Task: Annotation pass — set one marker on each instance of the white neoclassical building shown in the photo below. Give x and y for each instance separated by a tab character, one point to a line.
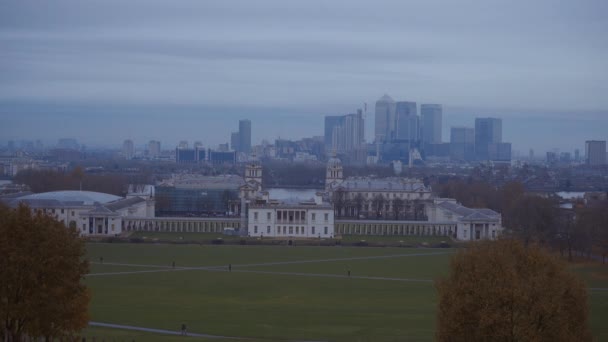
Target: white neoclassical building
291	219
92	213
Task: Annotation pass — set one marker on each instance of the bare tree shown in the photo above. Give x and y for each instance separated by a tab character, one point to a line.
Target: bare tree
378	204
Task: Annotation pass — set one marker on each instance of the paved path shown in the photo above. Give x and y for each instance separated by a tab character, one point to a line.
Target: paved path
330	275
173	332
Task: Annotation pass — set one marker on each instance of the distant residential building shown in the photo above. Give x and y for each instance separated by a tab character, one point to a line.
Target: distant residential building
462	143
487	131
384	118
595	152
153	149
407	122
128	149
245	136
431	117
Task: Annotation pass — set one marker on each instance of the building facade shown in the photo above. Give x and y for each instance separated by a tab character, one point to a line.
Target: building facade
431	128
291	220
245	136
487	131
384	118
407	122
462	143
595	152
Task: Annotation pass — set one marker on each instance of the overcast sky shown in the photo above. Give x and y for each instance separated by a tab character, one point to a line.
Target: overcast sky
173	70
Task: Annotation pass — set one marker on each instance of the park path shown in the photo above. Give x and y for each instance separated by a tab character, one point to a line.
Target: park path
173	332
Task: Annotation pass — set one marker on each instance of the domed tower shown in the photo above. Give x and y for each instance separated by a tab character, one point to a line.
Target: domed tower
253	172
334	174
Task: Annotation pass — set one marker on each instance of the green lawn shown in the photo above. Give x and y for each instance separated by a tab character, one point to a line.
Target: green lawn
277	306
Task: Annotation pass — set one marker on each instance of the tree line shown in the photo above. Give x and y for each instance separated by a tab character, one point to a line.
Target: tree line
535	218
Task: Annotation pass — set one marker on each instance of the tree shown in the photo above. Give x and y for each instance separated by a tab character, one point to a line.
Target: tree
378	204
397	206
503	291
42	265
359	201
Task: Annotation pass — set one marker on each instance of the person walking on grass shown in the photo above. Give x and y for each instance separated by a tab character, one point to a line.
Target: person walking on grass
184	332
229	267
173	264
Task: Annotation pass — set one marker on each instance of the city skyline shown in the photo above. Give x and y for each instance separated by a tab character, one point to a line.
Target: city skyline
144	70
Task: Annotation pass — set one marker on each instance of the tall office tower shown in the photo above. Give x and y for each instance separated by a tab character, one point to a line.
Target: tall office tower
128	149
245	135
595	152
487	131
385	118
462	143
407	123
347	132
577	155
431	117
235	142
153	149
330	123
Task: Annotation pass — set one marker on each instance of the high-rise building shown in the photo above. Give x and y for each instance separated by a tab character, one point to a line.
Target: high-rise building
431	117
407	122
577	155
487	131
500	151
128	149
331	122
245	135
385	118
235	143
153	149
462	143
347	132
595	152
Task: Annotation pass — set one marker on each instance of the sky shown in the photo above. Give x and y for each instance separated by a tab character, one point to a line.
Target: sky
105	71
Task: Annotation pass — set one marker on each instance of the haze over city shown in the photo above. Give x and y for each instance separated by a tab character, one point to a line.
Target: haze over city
105	71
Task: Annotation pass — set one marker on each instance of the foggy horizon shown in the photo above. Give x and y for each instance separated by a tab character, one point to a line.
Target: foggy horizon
190	71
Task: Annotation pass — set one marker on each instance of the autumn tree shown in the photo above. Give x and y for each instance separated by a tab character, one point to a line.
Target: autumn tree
504	291
41	270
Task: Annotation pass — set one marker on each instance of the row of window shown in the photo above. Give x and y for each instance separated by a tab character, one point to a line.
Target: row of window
289	215
285	230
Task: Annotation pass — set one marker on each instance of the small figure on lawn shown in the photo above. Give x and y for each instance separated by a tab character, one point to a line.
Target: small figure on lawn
229	267
184	332
173	264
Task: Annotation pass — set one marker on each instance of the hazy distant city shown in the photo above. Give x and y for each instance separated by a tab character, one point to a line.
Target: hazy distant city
277	170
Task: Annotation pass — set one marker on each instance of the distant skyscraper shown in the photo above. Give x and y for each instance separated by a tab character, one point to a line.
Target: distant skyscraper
487	131
407	123
330	123
153	149
235	142
344	133
595	152
431	117
385	118
128	149
245	135
577	155
462	143
183	144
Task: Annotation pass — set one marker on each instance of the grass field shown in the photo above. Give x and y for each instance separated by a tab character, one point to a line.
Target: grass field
390	295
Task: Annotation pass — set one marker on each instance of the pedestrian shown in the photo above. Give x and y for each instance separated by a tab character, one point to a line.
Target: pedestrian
184	332
173	264
229	267
349	273
101	260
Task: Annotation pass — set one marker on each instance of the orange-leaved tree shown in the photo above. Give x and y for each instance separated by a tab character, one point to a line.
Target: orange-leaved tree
42	266
504	291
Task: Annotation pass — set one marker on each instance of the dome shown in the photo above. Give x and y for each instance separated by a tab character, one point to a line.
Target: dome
334	161
386	98
82	197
